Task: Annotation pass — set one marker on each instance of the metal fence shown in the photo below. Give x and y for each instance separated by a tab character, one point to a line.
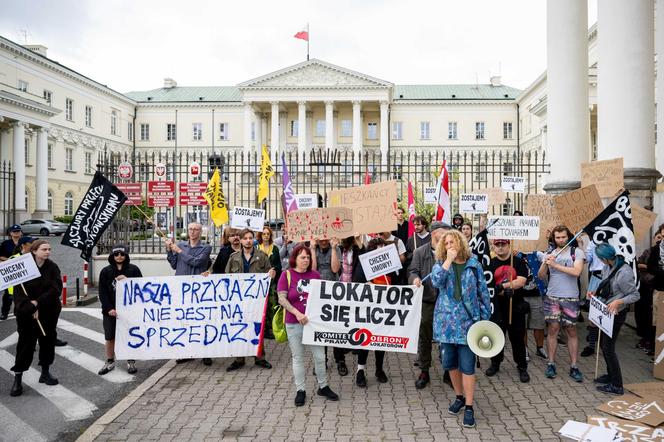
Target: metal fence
7	206
314	173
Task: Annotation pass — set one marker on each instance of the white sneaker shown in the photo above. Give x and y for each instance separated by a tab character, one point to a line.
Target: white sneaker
108	366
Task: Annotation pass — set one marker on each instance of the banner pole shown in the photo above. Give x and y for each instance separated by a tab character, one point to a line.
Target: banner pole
36	319
148	219
599	339
569	242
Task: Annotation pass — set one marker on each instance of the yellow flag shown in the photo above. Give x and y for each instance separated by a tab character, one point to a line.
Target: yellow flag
214	195
267	171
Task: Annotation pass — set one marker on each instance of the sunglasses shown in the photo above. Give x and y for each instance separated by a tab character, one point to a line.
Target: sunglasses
119	254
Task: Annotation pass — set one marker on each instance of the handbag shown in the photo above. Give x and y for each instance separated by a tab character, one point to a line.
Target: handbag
279	319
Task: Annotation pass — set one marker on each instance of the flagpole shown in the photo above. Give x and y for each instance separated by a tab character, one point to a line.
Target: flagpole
308	38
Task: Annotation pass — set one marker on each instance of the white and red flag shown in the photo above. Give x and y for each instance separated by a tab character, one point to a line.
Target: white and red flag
443	196
411	210
303	34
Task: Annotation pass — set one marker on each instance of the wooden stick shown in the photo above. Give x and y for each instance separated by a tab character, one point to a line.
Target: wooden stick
599	339
37	319
149	219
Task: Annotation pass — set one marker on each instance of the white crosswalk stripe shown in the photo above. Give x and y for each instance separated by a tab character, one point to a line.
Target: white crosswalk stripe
94	312
14	429
81	331
92	364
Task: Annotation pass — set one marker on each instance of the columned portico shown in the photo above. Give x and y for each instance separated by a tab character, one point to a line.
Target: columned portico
301	127
19	170
248	119
274	119
41	177
329	125
357	127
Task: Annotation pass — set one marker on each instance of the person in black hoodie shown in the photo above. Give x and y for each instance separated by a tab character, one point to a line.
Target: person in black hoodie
37	307
118	268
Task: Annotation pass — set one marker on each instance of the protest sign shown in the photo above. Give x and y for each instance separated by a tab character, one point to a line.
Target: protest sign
542	206
658	368
306	200
496	195
363	316
430	195
647	410
16	271
473	203
175	317
514	184
374	206
246	218
642	389
606	175
514	227
380	262
323	223
642	220
600	316
577	208
628	430
585	432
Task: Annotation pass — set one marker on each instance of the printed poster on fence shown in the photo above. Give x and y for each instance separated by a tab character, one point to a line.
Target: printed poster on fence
515	184
473	203
247	218
363	316
176	317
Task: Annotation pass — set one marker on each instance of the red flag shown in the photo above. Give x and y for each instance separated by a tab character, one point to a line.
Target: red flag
411	210
367	178
443	196
303	34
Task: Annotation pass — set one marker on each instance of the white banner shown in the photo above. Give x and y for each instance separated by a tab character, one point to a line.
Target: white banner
175	317
380	262
363	316
473	203
600	316
514	227
514	184
245	218
306	201
430	195
16	271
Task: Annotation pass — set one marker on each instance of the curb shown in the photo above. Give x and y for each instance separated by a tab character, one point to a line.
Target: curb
100	424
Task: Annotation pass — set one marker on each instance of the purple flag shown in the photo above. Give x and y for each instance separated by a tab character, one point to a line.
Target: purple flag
290	203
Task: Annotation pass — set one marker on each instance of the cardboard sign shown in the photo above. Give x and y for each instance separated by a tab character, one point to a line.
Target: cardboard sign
642	220
600	316
246	218
628	430
607	176
647	410
374	206
496	195
585	432
577	208
173	317
306	200
514	227
473	203
647	389
514	184
658	368
380	262
430	195
542	206
363	316
323	223
16	271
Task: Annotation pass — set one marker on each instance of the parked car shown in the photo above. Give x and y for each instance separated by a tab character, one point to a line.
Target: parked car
43	227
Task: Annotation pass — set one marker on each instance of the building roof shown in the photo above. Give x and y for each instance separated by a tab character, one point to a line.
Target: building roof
454	92
188	94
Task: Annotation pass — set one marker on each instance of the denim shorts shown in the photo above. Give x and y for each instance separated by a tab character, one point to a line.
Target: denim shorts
457	356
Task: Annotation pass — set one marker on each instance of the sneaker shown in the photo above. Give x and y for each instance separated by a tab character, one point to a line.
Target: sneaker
261	363
131	367
342	368
207	361
550	371
300	397
469	418
541	353
604	379
611	389
416	363
235	365
575	374
457	405
108	366
587	351
524	377
182	361
381	376
3	317
423	380
328	393
492	370
527	355
60	343
361	379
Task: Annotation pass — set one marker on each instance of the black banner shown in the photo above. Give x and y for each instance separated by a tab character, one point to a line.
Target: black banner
100	204
479	245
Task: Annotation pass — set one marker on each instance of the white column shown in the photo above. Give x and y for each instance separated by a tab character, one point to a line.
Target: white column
18	165
274	136
258	117
248	119
625	82
384	129
567	96
301	127
357	127
5	143
329	125
41	176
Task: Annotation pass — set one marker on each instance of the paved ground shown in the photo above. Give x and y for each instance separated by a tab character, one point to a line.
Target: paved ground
194	402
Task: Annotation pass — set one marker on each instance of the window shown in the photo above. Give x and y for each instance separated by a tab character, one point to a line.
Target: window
424	130
23	86
48	96
88	162
320	128
507	131
372	131
27	151
50	202
346	128
69	109
507	168
170	132
69	159
452	133
397	130
130	131
114	122
69	204
197	131
49	156
294	128
145	132
480	172
224	131
88	116
479	130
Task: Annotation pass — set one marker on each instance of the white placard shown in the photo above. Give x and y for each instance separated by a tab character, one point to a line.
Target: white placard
16	271
363	316
514	184
586	433
430	195
600	316
175	317
514	227
246	218
380	262
473	203
306	201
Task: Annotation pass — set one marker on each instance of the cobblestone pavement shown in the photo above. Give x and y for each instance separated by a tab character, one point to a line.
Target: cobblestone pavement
195	402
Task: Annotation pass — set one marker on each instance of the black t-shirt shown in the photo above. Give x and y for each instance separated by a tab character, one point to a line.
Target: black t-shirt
7	248
500	273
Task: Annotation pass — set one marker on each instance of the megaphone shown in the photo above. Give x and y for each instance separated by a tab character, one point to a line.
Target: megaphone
485	339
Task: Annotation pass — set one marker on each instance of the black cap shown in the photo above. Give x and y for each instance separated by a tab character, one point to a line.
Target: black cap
439	225
119	248
25	239
15	228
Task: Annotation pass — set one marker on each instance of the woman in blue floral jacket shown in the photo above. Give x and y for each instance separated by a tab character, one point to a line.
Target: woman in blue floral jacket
463	300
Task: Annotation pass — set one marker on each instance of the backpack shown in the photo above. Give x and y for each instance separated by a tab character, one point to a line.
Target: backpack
279	319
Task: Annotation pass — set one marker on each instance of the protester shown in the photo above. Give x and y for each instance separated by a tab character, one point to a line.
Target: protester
420	267
402	225
267	246
467	230
562	268
418	239
249	260
533	293
327	258
463	300
37	302
595	268
118	268
655	267
286	250
617	290
457	221
230	243
293	295
402	276
643	308
6	250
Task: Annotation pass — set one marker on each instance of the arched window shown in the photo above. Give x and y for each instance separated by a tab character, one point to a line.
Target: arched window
50	202
69	204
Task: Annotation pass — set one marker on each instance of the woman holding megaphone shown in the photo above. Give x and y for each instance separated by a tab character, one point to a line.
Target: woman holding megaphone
463	300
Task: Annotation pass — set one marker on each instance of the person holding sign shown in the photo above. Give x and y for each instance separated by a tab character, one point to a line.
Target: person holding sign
293	292
463	299
617	290
37	307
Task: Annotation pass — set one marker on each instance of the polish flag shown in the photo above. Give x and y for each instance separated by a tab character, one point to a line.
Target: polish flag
411	210
443	196
367	178
303	34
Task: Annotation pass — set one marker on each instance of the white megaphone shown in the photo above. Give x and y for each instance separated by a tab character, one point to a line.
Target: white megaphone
485	339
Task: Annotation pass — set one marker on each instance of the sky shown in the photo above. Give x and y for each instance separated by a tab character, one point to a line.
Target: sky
132	45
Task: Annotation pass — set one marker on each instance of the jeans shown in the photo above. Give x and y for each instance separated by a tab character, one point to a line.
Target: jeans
297	350
457	357
609	350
